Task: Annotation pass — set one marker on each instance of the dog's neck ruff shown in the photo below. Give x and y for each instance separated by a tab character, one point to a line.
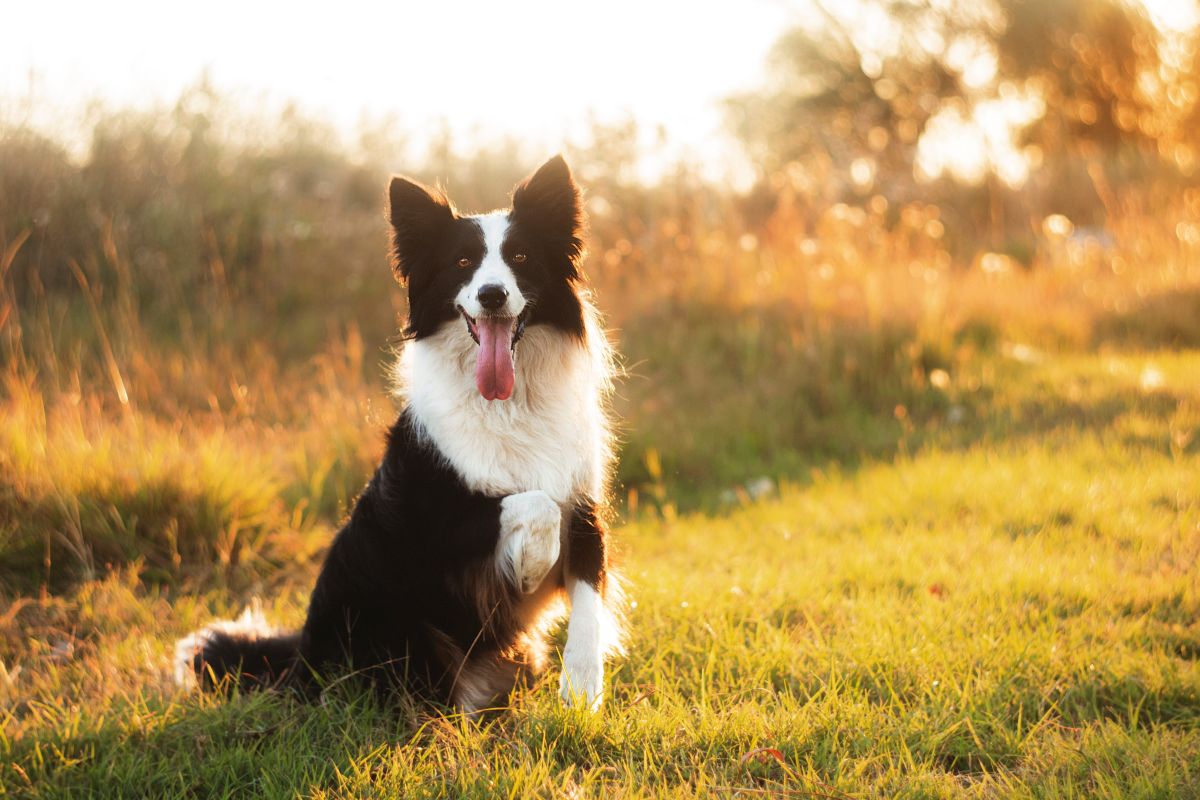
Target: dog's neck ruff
551	434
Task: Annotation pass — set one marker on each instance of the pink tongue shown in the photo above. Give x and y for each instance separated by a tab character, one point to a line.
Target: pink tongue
494	367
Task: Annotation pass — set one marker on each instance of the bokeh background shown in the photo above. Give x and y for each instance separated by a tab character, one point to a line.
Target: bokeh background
907	294
816	230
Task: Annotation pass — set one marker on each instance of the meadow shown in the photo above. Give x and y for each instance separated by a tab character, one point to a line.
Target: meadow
899	515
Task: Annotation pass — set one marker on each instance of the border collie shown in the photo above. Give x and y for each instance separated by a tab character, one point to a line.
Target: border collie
487	509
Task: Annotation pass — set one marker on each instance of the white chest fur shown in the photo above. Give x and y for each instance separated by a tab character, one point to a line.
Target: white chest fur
550	435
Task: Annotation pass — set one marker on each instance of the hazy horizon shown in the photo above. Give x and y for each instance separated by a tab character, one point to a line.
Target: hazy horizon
533	71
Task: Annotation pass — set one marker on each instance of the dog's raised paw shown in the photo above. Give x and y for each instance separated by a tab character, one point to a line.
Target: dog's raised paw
530	524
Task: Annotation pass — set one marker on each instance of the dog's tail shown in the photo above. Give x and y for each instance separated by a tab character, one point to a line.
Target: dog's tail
246	653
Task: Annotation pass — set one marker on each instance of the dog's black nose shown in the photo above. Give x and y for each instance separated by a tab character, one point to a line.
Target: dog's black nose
492	296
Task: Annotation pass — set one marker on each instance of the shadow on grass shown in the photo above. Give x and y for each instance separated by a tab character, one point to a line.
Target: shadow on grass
258	745
1054	410
761	397
172	531
716	397
1170	319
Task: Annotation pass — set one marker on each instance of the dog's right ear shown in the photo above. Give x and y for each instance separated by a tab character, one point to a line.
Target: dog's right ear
548	202
419	216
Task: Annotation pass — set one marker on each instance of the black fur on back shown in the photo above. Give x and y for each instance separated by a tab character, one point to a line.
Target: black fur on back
408	596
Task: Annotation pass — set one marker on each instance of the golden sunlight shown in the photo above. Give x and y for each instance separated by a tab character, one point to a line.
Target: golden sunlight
537	70
897	447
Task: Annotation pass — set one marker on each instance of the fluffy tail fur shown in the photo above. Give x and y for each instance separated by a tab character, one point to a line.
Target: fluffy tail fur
246	653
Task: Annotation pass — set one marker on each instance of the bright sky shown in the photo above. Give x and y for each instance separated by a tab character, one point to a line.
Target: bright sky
532	68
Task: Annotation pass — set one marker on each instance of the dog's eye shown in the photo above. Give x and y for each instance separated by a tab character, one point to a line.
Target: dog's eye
464	262
518	258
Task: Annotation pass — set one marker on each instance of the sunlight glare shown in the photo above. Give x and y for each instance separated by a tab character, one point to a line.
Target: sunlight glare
534	70
968	144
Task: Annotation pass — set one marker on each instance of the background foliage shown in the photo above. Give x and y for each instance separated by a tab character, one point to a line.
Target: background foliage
971	230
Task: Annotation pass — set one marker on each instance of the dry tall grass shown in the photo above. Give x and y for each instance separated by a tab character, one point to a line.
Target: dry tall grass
195	327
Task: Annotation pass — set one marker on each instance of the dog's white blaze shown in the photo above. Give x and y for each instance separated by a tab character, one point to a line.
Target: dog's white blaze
492	269
550	435
583	657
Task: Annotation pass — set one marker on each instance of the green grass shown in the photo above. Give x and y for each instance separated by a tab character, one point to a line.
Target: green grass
1009	606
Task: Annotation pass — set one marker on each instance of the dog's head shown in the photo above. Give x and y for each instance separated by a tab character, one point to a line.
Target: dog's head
493	274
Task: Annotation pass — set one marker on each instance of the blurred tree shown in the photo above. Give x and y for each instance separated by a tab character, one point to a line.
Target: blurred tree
850	85
874	96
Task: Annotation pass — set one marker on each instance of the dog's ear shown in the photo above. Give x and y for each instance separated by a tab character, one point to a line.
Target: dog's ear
548	204
419	216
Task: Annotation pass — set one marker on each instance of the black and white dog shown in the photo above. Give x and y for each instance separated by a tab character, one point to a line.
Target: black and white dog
486	512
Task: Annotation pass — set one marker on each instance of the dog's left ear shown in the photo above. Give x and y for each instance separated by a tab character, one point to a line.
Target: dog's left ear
419	216
548	203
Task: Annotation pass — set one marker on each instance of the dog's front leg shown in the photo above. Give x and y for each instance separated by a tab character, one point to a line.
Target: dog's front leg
530	538
582	681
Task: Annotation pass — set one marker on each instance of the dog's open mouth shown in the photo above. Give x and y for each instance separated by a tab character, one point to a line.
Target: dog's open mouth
497	338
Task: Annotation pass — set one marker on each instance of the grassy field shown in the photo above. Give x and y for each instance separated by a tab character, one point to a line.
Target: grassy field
908	496
1007	606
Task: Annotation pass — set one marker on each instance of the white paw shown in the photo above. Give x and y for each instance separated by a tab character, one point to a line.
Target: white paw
530	525
582	681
